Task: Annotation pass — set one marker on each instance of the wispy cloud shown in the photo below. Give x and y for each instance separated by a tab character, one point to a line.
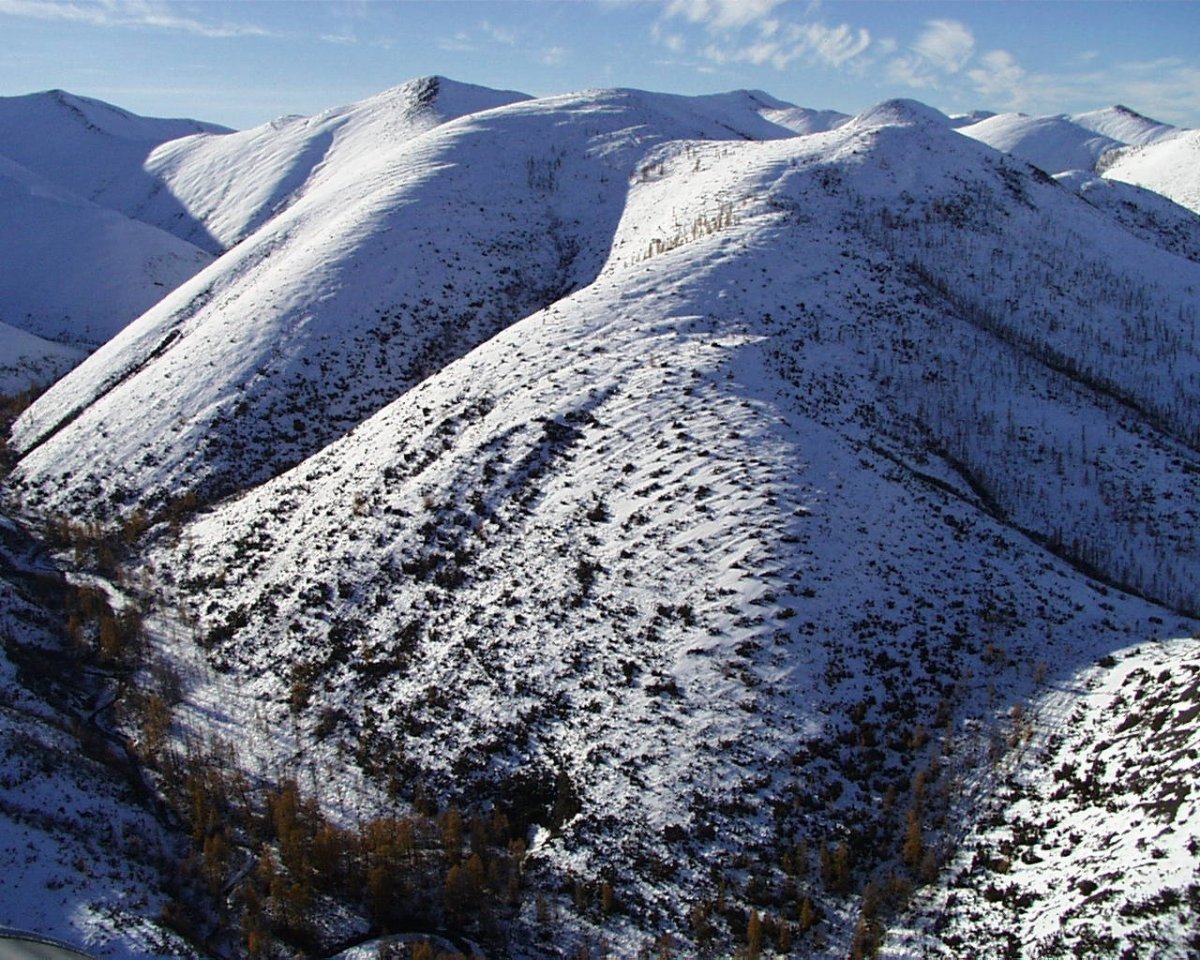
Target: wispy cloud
941	50
758	32
1167	89
144	14
722	14
553	56
459	43
498	34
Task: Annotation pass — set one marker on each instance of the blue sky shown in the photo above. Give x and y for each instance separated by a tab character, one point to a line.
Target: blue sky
242	62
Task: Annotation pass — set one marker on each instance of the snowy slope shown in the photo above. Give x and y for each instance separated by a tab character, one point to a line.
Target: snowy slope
78	851
228	185
28	361
1170	167
1082	839
1143	212
76	272
397	258
1054	144
1125	125
738	538
91	148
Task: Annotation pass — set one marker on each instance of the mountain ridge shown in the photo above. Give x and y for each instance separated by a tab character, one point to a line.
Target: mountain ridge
809	468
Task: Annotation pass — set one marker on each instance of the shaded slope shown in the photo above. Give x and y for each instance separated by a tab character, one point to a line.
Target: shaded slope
399	259
728	546
95	150
80	849
76	272
29	361
1142	212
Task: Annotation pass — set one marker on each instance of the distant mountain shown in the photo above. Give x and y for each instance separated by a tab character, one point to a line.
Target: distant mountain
1125	125
1055	144
75	272
92	149
1170	167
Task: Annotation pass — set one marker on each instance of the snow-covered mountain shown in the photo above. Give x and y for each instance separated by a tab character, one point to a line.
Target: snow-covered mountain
737	494
1127	126
92	149
1142	212
1059	144
76	272
1055	144
1170	167
230	184
393	262
695	511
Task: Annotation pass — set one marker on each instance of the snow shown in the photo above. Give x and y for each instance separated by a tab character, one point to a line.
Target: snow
1169	167
29	361
75	272
659	534
730	462
1055	144
1125	125
90	148
231	184
1090	828
78	854
399	258
1143	212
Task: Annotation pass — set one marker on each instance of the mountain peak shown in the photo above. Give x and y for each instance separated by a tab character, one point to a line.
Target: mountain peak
901	112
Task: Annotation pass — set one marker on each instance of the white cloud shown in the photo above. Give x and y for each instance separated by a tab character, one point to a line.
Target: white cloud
553	56
722	14
459	43
946	44
942	49
778	42
834	46
499	34
999	77
152	14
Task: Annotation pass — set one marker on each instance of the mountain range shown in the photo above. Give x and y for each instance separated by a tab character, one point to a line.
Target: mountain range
788	519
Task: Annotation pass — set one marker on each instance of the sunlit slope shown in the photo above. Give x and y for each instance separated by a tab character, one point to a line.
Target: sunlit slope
390	265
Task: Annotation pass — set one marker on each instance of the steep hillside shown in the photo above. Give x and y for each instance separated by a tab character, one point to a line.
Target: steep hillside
722	568
75	272
1142	212
394	261
1054	144
81	850
1081	838
92	149
1170	167
29	361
